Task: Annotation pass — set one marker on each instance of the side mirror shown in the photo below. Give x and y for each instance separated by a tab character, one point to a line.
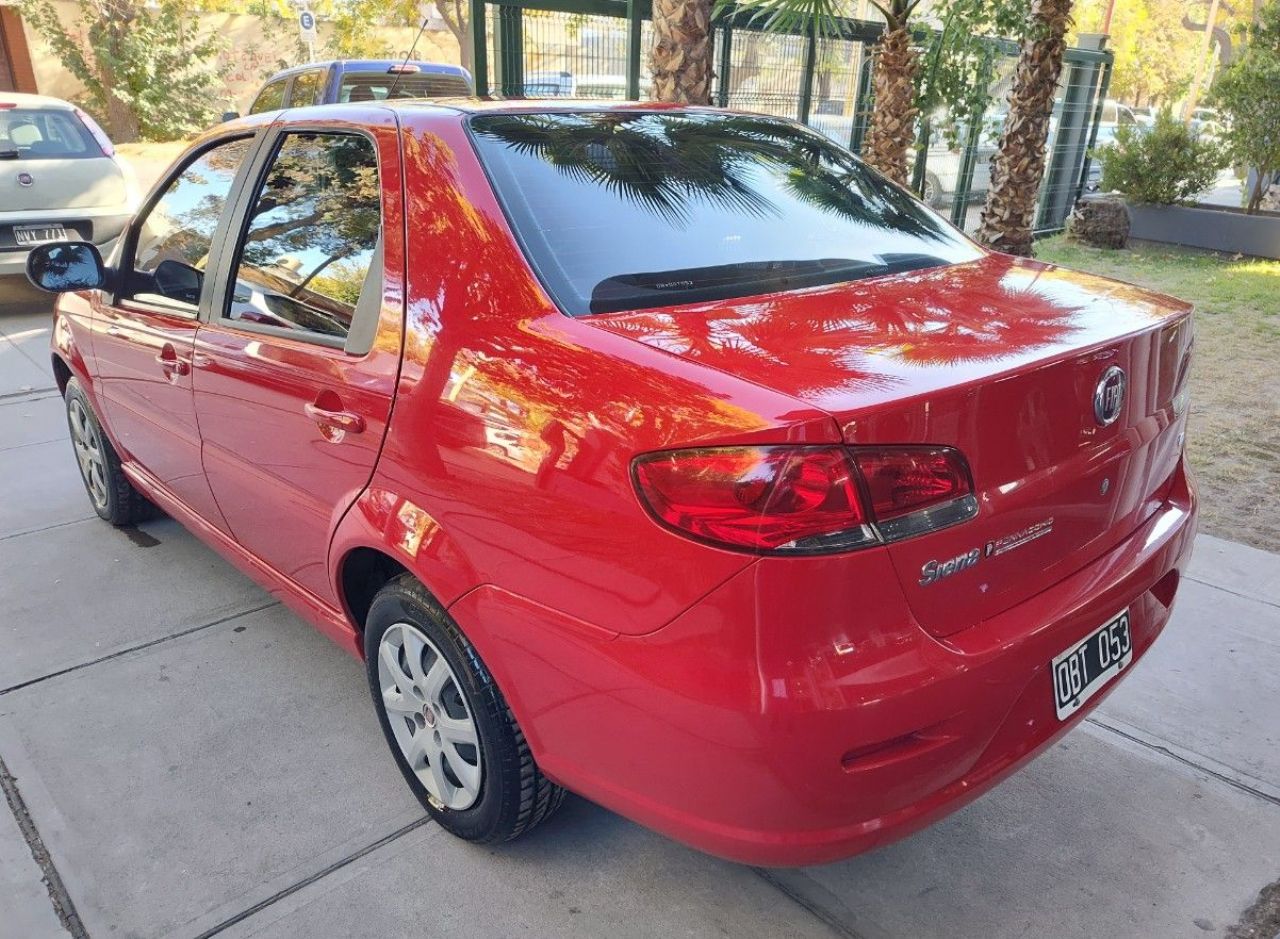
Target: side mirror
229	116
65	266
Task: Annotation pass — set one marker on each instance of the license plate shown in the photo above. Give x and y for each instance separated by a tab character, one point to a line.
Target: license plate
38	234
1083	669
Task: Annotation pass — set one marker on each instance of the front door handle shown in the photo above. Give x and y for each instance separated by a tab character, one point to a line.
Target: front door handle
344	420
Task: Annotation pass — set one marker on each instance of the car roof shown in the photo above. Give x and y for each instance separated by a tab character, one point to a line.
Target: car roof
369	65
499	104
15	99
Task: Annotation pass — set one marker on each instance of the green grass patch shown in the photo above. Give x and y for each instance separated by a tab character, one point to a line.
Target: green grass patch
1234	437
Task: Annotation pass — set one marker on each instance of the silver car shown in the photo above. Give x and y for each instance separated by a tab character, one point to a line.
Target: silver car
59	179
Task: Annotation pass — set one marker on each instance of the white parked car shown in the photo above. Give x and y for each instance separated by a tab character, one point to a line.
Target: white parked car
59	179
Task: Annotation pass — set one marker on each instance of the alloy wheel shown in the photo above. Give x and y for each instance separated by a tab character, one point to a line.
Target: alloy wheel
430	717
87	441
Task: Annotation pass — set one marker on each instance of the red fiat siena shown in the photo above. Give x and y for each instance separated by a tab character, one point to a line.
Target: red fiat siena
664	455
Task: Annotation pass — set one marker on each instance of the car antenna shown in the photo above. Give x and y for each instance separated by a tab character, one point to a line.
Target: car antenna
407	56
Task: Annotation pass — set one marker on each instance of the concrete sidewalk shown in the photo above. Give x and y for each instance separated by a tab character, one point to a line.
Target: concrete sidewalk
183	757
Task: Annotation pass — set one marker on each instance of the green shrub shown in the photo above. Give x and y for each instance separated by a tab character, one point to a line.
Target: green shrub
1165	164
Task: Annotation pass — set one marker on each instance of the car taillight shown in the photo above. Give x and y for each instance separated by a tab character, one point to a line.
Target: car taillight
916	489
805	500
97	133
793	499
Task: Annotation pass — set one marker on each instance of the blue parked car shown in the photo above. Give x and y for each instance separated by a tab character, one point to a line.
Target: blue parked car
344	80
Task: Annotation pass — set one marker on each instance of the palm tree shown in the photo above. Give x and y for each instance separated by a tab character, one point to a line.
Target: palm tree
893	116
892	131
1018	165
681	55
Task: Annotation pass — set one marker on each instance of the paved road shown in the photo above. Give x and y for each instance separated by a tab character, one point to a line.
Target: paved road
183	757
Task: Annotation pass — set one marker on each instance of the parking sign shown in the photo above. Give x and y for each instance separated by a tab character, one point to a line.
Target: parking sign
307	26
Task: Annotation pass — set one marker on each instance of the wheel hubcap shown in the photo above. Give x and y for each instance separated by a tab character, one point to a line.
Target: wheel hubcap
88	447
429	717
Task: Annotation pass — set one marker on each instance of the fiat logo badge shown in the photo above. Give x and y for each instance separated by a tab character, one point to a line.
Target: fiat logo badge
1108	397
25	179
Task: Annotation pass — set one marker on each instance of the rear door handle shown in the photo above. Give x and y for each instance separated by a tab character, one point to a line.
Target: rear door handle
347	420
170	363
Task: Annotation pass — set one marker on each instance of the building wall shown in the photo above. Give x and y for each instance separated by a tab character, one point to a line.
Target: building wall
16	72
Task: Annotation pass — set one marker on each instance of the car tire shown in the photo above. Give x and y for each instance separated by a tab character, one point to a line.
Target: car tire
110	492
496	793
932	195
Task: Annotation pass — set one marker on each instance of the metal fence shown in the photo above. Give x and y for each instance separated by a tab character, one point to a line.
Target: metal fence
599	49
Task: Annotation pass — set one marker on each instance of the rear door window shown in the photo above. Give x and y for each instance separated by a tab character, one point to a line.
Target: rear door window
44	134
311	238
270	98
306	89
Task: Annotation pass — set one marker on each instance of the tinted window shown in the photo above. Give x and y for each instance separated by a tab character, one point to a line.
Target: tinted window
270	98
175	237
623	210
311	236
378	86
37	134
306	89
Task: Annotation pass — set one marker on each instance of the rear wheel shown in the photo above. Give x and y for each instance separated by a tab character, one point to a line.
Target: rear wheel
932	195
112	495
449	727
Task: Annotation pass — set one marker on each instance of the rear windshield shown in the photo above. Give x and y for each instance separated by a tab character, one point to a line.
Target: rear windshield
627	210
378	86
44	134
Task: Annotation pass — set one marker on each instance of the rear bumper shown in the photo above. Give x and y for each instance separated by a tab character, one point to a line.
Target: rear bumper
797	715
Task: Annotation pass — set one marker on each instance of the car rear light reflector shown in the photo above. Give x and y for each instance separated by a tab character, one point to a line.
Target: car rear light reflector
913	490
805	500
901	480
789	499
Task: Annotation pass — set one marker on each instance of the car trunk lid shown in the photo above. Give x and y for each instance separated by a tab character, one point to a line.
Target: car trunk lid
1000	359
73	183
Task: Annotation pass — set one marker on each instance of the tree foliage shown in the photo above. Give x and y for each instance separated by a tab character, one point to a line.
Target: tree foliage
1165	164
1248	92
143	66
1155	52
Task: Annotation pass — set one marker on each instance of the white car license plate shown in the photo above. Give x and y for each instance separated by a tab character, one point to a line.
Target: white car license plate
1082	670
38	234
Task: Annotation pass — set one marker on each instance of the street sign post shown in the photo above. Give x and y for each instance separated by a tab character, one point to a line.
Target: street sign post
307	32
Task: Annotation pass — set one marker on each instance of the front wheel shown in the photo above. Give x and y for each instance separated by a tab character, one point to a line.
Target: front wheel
449	727
112	495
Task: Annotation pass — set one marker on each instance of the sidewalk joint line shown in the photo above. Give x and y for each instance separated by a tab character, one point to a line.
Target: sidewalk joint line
62	903
36	531
1234	593
1165	751
143	645
13	396
312	878
810	906
26	397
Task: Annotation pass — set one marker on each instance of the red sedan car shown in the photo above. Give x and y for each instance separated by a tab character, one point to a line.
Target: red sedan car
665	455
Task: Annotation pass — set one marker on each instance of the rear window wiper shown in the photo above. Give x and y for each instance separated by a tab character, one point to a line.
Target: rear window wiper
723	281
9	154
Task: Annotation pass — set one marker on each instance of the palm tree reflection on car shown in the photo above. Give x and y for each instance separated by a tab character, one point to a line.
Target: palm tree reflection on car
667	162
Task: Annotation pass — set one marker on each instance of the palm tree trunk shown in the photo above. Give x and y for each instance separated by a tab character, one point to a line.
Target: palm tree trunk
682	55
893	118
1018	166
